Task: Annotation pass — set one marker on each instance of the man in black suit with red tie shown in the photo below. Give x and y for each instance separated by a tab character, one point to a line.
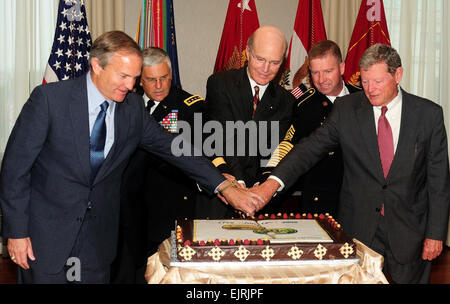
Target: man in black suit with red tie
248	95
395	194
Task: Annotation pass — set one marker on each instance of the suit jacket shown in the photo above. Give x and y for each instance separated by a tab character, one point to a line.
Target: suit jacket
321	185
229	98
416	193
44	182
154	192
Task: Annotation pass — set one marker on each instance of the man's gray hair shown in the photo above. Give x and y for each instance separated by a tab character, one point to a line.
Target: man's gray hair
379	53
154	56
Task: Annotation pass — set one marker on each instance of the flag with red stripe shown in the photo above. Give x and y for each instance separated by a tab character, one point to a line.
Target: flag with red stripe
309	28
156	27
241	21
370	28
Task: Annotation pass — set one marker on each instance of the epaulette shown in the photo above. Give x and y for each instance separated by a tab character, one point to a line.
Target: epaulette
305	96
357	88
193	99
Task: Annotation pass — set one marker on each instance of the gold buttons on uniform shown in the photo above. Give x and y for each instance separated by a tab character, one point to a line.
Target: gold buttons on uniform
316	199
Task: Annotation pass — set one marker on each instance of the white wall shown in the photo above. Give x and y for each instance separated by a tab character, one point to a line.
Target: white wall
199	24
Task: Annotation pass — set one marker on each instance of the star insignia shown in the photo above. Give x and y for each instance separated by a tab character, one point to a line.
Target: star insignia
57	65
245	4
61	39
59	52
63	26
68	53
77	67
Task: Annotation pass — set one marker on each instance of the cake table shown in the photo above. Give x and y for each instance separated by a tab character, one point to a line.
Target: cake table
367	271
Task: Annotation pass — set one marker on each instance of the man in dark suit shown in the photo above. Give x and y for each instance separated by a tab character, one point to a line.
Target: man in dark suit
248	95
321	185
396	189
61	171
154	193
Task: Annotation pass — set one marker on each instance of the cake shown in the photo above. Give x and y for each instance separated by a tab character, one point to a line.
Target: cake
288	238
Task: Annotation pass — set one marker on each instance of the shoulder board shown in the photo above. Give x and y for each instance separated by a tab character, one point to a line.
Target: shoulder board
193	99
305	96
354	87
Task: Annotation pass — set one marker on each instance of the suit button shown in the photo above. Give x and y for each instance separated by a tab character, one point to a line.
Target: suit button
185	198
384	187
377	210
79	219
316	199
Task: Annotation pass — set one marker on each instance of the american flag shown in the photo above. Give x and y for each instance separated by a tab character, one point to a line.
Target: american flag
298	91
71	45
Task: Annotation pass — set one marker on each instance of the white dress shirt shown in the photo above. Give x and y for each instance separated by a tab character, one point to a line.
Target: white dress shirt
153	108
262	88
343	92
393	115
95	99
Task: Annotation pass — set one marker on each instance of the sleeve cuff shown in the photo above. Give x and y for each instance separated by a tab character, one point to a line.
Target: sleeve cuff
279	181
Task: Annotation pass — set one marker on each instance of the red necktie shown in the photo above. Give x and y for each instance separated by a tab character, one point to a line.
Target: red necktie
385	142
255	100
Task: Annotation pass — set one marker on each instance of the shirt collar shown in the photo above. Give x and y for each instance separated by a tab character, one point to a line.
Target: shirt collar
394	102
262	88
343	92
146	98
95	98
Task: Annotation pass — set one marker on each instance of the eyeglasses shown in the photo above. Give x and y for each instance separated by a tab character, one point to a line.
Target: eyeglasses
263	61
154	81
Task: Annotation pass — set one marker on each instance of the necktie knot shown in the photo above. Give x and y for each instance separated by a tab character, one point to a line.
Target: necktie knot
383	110
104	106
255	99
150	104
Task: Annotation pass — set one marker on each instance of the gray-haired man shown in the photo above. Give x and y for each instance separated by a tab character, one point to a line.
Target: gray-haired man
396	188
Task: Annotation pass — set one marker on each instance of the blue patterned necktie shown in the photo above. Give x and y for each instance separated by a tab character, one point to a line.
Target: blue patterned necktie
97	142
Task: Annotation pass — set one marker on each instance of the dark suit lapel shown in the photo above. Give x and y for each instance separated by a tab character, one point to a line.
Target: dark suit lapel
366	125
407	135
79	116
245	93
267	105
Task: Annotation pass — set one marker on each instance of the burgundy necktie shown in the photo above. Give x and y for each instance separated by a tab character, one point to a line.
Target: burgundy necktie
385	144
255	100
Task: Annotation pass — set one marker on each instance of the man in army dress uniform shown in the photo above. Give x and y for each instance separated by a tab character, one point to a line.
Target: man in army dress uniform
320	186
154	193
